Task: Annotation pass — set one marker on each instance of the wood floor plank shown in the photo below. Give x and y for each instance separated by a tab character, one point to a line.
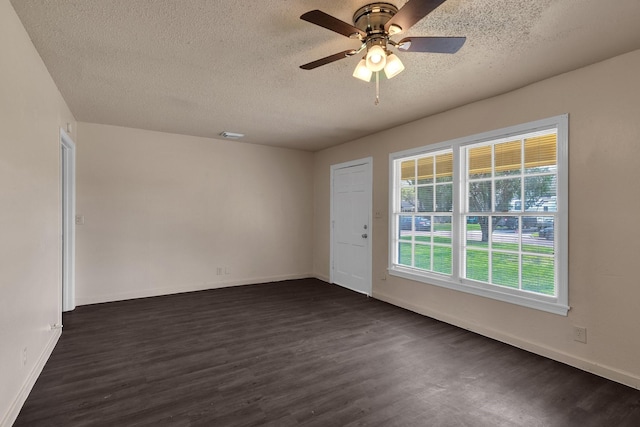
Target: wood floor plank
302	352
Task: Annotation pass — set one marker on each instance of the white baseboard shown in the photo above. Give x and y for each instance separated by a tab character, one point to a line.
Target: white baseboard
154	292
596	368
322	277
12	414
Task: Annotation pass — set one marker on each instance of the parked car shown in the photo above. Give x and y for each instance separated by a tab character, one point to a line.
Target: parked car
509	222
543	206
421	223
529	222
546	233
406	206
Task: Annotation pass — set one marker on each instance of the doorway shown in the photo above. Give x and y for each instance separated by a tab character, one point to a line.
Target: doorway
68	214
351	205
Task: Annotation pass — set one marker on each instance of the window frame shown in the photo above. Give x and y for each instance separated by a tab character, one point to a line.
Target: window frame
433	213
557	304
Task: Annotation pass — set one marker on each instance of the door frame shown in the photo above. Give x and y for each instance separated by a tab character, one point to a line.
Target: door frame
365	161
68	215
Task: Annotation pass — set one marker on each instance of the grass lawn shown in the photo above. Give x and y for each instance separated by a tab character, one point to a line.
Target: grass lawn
441	259
502	264
536	249
537	272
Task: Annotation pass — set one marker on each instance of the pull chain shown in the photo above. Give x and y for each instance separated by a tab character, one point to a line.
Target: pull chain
377	88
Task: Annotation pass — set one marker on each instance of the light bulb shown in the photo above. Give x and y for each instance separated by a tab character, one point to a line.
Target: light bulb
362	72
376	58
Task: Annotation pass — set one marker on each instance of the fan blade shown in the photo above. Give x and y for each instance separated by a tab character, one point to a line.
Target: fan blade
330	23
412	12
328	59
431	44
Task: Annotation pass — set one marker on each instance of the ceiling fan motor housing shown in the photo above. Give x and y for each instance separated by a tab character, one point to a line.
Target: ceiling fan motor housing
372	18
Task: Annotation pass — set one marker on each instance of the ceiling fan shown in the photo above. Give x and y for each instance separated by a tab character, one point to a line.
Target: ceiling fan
374	25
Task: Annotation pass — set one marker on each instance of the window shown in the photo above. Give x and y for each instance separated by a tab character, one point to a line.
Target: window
486	214
426	199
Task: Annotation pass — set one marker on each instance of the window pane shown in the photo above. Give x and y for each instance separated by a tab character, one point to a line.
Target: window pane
404	253
478	231
508	157
408	201
480	162
425	199
444	197
504	269
442	259
444	168
480	196
408	172
540	241
423	257
422	223
477	265
540	191
505	236
404	228
442	229
506	191
538	274
540	154
546	231
425	170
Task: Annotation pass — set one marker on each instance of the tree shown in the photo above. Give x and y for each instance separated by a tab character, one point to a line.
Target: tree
480	195
408	198
535	188
444	198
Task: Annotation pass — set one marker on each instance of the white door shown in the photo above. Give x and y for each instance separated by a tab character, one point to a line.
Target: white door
351	225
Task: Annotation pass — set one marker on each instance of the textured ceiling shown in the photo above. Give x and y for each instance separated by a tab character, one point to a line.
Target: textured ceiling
200	67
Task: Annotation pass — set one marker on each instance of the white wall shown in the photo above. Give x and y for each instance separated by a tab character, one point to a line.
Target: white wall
31	114
164	212
603	104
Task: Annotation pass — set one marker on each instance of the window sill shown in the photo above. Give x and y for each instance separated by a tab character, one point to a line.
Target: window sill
550	305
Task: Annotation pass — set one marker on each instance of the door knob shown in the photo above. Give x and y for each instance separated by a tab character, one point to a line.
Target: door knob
364	236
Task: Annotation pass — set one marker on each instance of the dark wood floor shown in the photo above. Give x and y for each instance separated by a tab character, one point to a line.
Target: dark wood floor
302	353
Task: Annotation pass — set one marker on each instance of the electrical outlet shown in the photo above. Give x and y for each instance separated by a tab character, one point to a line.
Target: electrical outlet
219	271
79	219
24	356
580	334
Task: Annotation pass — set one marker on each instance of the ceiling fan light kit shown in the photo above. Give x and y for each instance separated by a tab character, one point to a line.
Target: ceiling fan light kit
376	58
374	24
362	72
394	66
